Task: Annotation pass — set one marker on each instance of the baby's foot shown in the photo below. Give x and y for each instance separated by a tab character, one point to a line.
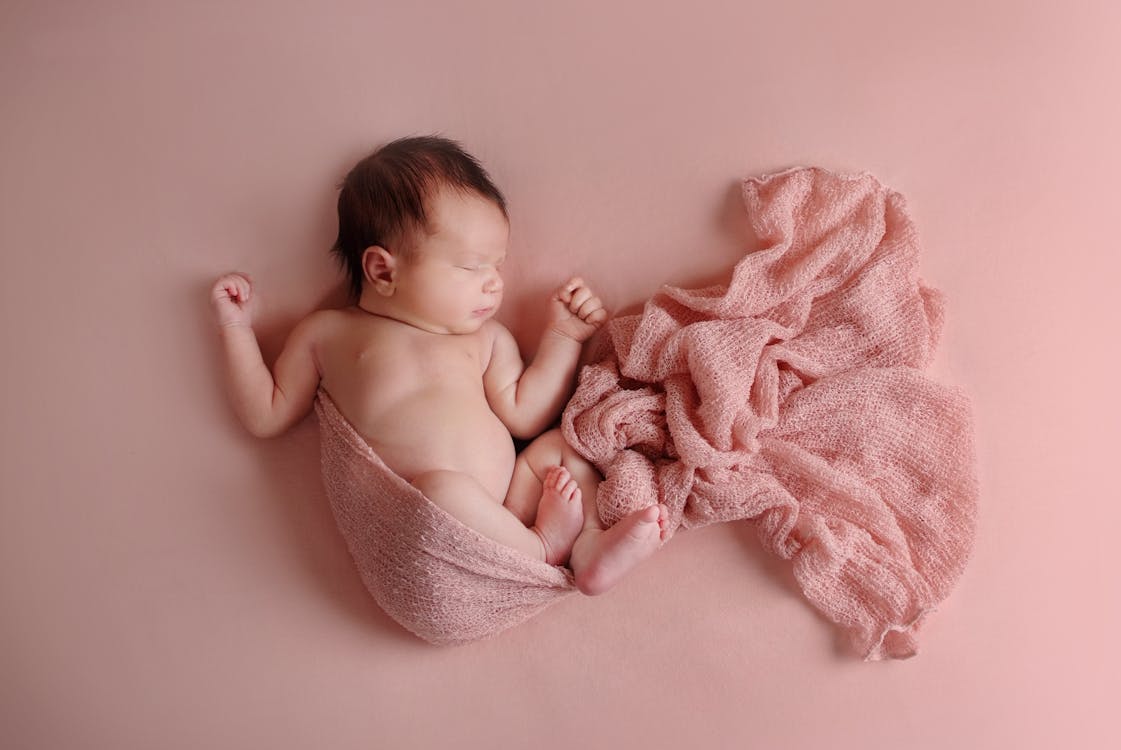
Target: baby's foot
560	515
623	546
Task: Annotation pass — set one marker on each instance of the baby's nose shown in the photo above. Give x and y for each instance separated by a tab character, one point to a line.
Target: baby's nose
493	283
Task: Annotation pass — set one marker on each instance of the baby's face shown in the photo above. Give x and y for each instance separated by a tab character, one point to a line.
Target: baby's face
452	281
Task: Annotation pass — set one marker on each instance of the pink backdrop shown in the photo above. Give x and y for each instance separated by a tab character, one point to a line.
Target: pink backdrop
168	581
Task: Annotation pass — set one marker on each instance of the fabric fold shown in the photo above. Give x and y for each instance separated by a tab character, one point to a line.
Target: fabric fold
794	396
441	580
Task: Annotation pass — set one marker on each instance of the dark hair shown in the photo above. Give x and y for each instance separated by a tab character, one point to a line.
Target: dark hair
382	200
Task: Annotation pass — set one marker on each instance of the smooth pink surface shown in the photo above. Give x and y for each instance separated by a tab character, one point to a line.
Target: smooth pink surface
167	581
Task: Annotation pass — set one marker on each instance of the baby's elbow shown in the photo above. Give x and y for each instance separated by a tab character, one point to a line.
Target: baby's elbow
278	417
262	429
263	426
523	431
528	429
524	420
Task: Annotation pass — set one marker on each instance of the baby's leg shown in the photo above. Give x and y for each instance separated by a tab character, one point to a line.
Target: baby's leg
560	513
600	557
551	504
465	499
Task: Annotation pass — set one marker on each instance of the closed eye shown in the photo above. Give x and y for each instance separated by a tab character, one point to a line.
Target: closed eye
497	265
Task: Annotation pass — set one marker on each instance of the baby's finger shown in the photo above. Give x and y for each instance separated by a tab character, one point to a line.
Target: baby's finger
228	281
231	288
590	306
580	298
597	317
570	288
221	289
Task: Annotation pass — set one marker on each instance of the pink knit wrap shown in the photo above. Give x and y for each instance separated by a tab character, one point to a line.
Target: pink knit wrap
445	582
792	396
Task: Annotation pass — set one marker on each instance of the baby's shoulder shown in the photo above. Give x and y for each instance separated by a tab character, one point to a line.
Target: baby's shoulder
329	330
496	338
351	328
323	324
492	330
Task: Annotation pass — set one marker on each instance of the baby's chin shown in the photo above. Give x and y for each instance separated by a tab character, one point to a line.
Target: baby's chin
472	325
470	322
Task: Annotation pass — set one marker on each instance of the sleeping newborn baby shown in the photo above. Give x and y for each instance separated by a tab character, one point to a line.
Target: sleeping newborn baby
423	372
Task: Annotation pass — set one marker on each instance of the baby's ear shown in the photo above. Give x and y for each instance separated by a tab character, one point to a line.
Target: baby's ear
380	269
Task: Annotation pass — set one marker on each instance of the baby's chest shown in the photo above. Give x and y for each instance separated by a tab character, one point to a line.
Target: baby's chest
414	362
445	356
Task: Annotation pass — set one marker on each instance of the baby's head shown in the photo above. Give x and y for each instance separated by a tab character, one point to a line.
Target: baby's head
389	204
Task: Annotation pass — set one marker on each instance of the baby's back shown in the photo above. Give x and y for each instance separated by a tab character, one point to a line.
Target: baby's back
416	397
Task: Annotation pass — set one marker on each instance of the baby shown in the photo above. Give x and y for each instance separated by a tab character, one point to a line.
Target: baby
424	373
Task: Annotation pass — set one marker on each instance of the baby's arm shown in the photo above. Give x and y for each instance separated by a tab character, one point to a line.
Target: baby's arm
267	406
529	399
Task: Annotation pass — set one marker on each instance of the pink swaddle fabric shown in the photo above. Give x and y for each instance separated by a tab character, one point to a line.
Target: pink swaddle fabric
793	396
438	578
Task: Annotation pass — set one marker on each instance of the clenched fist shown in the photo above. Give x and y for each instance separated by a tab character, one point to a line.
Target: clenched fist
576	312
231	298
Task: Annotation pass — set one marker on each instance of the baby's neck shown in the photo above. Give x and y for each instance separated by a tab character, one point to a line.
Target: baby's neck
380	307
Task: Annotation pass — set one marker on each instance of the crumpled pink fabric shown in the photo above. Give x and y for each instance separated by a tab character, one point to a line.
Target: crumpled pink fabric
794	396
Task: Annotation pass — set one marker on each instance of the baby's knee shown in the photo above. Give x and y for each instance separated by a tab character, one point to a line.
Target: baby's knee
553	440
546	450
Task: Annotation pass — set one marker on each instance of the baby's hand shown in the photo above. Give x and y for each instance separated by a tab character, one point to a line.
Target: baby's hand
576	312
230	298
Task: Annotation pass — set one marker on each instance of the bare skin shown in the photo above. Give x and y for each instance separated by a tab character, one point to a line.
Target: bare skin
437	387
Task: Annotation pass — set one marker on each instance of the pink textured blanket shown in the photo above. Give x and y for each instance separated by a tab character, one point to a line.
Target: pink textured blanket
793	396
440	579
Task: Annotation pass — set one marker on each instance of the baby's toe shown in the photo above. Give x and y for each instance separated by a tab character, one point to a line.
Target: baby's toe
552	478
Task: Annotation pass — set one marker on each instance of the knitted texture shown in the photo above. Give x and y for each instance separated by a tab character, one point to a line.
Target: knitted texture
438	578
793	396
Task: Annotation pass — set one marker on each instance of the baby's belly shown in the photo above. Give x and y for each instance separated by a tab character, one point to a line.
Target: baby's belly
448	433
